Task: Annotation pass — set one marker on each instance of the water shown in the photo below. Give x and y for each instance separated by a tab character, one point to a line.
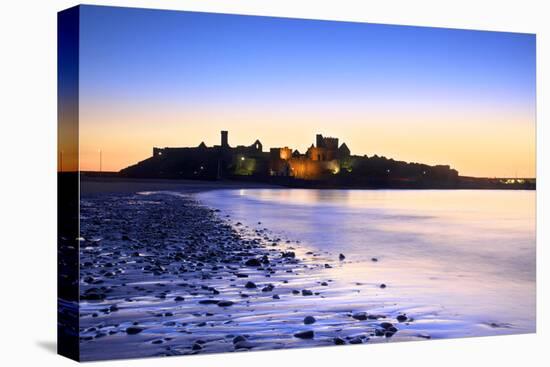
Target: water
461	263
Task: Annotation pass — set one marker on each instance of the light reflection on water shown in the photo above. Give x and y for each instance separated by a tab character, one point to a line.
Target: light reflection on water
465	258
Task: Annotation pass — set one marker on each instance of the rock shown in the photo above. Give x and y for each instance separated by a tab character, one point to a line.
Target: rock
253	262
196	346
132	330
382	286
341	257
276	296
309	334
295	291
209	301
239	338
324	284
361	316
288	254
179	299
250	285
307	292
225	303
356	340
386	325
401	318
328	266
374	259
309	320
339	341
268	288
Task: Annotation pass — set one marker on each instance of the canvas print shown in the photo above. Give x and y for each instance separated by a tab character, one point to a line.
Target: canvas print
233	183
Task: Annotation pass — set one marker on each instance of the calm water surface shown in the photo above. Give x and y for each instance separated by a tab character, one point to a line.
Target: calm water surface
462	263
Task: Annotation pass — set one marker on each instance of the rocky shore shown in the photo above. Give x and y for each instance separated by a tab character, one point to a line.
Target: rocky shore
162	274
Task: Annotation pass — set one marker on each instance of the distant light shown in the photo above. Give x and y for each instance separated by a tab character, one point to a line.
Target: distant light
388	171
242	158
160	153
423	172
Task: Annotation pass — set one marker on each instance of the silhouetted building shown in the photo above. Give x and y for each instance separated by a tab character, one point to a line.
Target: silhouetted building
325	161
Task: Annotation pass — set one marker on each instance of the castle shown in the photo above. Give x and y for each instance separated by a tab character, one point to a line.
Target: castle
222	160
325	163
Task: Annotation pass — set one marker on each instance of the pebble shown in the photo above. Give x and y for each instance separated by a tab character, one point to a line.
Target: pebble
250	285
225	303
309	320
361	316
307	292
341	257
401	318
339	341
132	330
253	262
309	334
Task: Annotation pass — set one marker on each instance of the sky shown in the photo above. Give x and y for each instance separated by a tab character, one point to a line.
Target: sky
153	78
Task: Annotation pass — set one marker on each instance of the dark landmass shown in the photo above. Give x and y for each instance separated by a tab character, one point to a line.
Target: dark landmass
327	164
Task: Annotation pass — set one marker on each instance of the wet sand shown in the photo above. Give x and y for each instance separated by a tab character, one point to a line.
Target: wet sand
162	274
112	184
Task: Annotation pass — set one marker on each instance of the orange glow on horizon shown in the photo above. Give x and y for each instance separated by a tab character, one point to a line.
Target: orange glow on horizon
481	144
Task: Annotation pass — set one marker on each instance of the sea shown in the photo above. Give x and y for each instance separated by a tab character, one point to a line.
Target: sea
458	262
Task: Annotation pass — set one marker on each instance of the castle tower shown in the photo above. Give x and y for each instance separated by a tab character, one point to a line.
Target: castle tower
225	142
319	141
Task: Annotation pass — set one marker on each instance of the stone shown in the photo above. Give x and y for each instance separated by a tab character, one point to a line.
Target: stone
225	303
209	301
361	316
132	330
309	334
308	320
268	288
401	318
356	340
288	254
341	257
253	262
307	292
239	338
339	341
250	285
382	286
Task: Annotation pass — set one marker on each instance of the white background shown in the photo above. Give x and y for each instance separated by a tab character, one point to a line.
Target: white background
28	181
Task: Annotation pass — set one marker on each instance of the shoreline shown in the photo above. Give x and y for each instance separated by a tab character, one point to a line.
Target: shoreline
163	274
90	185
102	185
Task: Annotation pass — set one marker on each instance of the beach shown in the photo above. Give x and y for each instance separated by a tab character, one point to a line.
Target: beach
172	268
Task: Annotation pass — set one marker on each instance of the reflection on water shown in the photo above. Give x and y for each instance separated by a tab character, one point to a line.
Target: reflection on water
463	261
